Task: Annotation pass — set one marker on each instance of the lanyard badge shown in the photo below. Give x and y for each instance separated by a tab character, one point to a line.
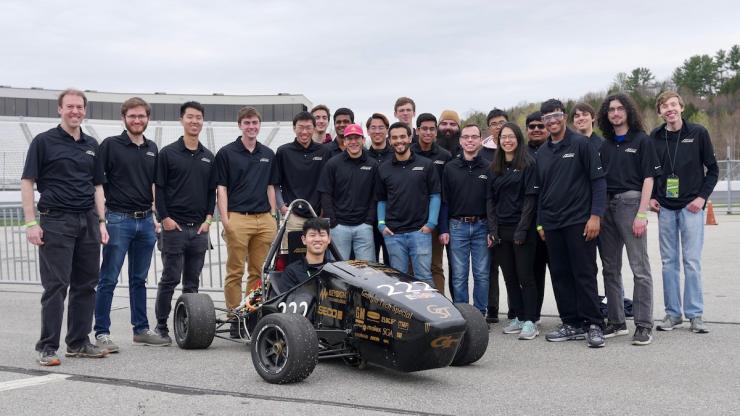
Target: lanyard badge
671	189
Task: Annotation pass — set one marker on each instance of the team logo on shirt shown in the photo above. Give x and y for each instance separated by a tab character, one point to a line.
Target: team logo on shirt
483	177
439	162
150	154
569	155
205	159
630	150
264	159
366	168
418	168
318	158
90	152
687	140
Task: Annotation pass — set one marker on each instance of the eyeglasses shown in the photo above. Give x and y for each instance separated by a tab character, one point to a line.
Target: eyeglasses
613	110
507	137
136	117
497	123
427	129
377	128
536	126
304	128
553	116
471	137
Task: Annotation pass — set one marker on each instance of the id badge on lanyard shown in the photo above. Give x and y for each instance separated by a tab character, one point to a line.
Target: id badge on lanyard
671	189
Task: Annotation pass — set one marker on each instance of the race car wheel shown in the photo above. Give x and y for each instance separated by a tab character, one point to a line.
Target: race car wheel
195	321
475	341
285	348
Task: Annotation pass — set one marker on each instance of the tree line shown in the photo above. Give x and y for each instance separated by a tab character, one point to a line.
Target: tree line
710	86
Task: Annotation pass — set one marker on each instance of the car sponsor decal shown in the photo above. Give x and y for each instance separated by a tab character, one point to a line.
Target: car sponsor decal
441	311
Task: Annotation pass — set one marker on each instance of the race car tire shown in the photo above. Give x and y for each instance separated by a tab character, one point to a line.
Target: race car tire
475	341
285	348
194	321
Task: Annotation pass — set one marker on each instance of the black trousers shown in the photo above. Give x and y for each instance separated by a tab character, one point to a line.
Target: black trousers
183	255
516	261
573	273
493	288
380	242
540	264
69	259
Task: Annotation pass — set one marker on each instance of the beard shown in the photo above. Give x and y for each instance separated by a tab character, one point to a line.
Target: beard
135	129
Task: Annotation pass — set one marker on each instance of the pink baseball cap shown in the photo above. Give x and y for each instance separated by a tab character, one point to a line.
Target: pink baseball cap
353	129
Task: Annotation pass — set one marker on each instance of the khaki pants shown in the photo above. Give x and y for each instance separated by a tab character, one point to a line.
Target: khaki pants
249	238
438	275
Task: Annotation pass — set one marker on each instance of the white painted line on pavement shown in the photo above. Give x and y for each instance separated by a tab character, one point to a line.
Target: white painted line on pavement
31	381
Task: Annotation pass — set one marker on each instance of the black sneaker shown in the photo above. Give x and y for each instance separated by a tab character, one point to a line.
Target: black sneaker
565	332
237	331
86	350
613	330
595	336
643	336
164	333
492	316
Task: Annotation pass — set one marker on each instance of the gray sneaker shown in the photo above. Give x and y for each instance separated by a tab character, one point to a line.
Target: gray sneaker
529	330
49	358
104	342
151	338
87	350
514	326
698	326
669	323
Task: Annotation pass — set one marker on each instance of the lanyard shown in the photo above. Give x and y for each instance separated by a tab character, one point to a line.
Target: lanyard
672	161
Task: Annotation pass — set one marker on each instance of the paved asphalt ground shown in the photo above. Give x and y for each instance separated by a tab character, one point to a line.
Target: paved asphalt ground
680	373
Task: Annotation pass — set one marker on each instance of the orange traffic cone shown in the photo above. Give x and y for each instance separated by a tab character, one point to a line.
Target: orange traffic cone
711	219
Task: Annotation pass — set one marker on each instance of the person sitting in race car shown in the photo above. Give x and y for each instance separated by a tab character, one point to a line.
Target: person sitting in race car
316	238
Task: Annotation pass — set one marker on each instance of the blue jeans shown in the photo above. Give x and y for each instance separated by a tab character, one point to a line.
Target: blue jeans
681	235
468	242
136	237
417	246
357	238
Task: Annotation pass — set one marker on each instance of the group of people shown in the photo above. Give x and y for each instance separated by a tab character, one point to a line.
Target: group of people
422	186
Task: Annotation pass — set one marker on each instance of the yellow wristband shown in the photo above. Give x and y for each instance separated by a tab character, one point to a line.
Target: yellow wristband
641	215
31	223
539	228
209	221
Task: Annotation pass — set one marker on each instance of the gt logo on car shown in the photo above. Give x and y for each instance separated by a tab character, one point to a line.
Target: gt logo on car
442	311
445	341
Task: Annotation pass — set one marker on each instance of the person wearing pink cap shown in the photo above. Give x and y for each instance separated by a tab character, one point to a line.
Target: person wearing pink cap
346	197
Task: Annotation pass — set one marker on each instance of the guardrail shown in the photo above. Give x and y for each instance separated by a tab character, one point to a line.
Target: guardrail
19	260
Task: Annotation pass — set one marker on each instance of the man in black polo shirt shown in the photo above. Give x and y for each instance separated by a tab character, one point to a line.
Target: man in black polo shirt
448	132
408	193
345	199
426	146
572	193
65	165
316	238
246	175
630	163
377	129
299	168
381	151
185	198
129	161
690	173
462	221
583	118
322	114
343	117
536	136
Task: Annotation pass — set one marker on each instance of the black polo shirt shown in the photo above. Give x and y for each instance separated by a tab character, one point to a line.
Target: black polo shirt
487	153
186	183
299	170
508	189
65	170
564	174
596	142
296	273
464	185
437	154
246	176
686	154
382	155
406	186
628	163
333	148
348	182
532	148
129	173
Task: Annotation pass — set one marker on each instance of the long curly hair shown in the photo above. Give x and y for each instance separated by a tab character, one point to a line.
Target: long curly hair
634	118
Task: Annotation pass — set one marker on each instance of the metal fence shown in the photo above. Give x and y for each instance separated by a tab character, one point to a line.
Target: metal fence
19	259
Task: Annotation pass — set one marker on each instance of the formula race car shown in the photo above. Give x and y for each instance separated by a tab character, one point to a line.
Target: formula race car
361	312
